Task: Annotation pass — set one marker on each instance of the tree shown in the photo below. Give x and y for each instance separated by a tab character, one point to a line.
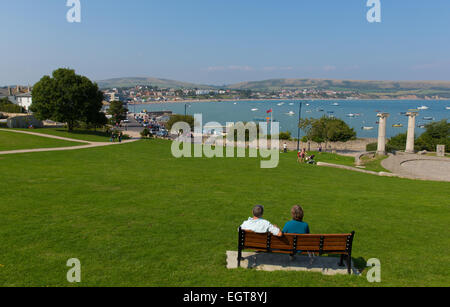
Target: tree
327	129
67	97
9	107
189	119
397	142
437	133
118	111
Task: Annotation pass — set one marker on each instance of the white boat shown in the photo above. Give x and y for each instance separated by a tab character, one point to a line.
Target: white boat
254	110
423	108
367	128
336	104
291	104
351	115
291	113
447	108
280	104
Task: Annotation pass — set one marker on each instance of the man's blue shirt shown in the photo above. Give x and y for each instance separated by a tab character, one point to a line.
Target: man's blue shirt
296	227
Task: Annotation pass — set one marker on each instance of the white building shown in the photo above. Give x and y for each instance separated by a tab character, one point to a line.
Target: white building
24	100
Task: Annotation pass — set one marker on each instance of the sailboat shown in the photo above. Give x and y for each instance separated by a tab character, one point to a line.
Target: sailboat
290	113
255	109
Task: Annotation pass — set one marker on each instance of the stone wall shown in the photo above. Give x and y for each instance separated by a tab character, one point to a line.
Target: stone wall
24	122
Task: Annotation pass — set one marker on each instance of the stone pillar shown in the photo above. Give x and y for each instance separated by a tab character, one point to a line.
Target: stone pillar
411	131
382	133
440	150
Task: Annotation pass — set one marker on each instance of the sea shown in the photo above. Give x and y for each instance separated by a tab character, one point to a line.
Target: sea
358	114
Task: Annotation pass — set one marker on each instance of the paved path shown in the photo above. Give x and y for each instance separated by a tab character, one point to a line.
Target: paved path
88	144
418	167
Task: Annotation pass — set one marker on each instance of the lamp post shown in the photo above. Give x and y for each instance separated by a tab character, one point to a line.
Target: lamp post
299	119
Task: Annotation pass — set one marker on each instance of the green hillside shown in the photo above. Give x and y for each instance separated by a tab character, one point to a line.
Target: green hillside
162	83
350	85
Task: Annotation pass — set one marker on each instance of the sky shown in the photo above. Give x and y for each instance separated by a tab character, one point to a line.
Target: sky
226	41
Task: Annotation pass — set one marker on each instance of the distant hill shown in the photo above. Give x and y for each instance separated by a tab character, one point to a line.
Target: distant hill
162	83
342	85
364	89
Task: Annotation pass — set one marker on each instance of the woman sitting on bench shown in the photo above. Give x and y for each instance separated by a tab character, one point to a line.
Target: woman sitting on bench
296	226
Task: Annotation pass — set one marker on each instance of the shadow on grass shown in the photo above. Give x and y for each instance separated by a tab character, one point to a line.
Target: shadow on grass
84	132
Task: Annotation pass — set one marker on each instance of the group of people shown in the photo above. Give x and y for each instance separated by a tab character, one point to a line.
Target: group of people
302	157
118	136
259	225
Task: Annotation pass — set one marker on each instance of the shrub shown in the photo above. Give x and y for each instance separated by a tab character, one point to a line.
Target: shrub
285	136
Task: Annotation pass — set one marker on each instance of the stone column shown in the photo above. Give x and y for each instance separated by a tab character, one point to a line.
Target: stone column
411	131
382	133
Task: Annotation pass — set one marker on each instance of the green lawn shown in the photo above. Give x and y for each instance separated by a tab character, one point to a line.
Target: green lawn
77	134
16	141
134	215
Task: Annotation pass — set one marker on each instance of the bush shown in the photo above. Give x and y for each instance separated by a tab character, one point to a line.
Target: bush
285	136
437	133
372	147
9	107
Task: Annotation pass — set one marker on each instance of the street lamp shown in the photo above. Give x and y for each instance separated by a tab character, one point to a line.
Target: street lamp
299	119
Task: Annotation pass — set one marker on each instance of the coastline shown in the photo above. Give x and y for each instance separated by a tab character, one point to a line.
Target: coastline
279	99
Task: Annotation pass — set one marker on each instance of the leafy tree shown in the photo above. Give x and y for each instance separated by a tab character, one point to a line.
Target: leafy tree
67	97
437	133
327	129
118	112
397	142
9	107
175	118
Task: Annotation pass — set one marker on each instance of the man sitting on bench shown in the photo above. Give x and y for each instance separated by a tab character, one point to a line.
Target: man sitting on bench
259	225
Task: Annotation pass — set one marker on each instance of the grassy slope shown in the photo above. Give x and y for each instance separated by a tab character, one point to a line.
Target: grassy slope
17	141
134	215
84	135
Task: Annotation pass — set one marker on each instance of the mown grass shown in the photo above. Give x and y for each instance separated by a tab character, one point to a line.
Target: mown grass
374	164
134	215
17	141
77	134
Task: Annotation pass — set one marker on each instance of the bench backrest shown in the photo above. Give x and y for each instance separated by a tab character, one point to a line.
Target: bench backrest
291	243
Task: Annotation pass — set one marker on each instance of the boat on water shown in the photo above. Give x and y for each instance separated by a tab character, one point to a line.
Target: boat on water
280	104
335	104
423	108
320	110
351	115
397	125
447	108
428	118
254	110
421	126
290	113
367	128
291	104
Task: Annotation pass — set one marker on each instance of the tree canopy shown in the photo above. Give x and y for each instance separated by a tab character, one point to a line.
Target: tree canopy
437	133
327	129
117	111
67	97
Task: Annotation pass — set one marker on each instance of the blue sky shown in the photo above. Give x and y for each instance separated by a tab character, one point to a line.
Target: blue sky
226	41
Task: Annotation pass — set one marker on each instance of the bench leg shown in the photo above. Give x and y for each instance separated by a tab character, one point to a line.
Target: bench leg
239	258
349	264
341	263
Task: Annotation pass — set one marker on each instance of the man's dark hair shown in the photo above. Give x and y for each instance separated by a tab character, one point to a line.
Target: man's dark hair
258	211
297	213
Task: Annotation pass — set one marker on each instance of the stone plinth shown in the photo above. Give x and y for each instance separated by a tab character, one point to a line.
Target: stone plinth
440	150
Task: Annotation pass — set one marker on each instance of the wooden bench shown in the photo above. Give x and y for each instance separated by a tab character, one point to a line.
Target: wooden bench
317	244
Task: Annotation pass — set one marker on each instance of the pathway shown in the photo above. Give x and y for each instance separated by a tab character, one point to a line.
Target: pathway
88	143
418	167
